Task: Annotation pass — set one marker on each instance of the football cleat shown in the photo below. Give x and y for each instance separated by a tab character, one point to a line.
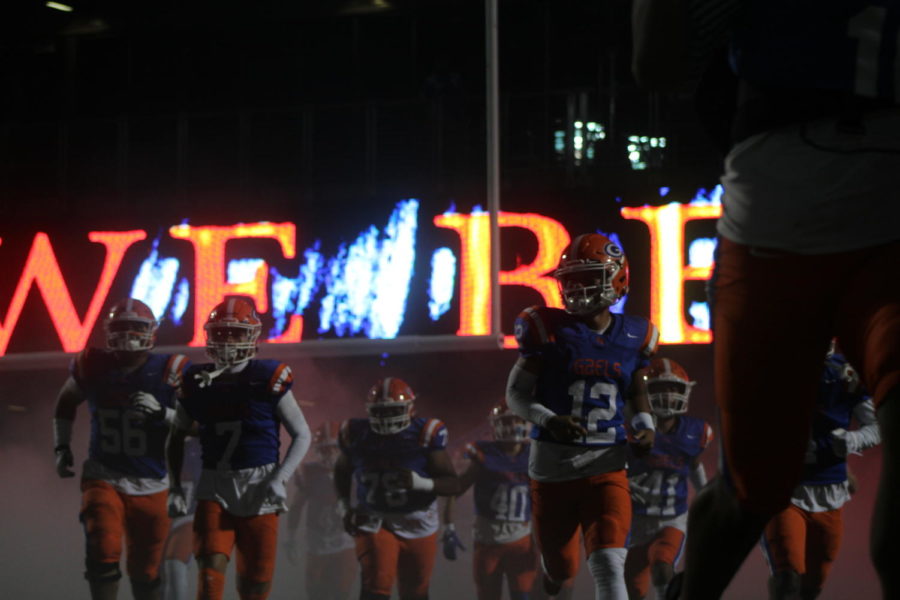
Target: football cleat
592	274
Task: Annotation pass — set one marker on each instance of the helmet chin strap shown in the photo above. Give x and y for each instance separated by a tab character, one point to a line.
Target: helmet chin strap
206	377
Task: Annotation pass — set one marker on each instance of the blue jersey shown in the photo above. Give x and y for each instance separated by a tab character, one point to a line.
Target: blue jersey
839	393
585	373
659	481
378	459
501	484
133	448
839	45
237	413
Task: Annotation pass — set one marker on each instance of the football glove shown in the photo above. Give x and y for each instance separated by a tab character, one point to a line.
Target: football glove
450	542
144	407
64	461
177	502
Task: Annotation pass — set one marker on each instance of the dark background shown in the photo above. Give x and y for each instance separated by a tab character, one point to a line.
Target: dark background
133	115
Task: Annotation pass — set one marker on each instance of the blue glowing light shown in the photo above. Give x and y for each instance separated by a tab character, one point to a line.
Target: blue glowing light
443	282
701	252
155	280
243	270
699	312
367	282
713	198
180	301
663	192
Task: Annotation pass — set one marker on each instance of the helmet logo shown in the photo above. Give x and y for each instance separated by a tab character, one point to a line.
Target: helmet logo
613	250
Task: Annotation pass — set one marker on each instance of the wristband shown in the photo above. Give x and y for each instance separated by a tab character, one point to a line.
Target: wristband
641	421
421	484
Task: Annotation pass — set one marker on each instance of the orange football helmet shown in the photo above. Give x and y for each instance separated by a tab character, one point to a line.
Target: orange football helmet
508	426
592	274
668	387
130	326
232	331
389	405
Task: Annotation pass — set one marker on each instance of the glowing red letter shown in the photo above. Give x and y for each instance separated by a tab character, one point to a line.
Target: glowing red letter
667	269
475	263
210	285
42	269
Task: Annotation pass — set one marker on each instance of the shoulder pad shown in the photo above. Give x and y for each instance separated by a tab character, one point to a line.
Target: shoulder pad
474	452
535	326
433	434
86	363
175	368
281	380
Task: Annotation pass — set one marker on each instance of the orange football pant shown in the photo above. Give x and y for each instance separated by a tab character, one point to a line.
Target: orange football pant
664	548
805	542
516	560
598	506
330	576
107	514
218	532
775	309
385	557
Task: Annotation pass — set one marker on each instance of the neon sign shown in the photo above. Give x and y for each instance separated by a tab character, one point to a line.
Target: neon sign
363	290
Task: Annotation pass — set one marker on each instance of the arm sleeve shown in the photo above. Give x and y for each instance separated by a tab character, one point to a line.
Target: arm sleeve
868	434
295	423
698	475
520	397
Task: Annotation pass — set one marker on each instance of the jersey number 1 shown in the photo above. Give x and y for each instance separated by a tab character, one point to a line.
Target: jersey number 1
600	392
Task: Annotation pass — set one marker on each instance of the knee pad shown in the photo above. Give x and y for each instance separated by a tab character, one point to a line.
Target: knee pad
146	586
101	572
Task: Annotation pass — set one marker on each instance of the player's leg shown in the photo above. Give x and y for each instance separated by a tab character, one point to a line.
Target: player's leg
415	564
869	327
663	554
176	558
214	538
556	524
486	571
752	333
784	544
605	512
519	563
823	540
256	539
377	554
637	571
146	528
102	516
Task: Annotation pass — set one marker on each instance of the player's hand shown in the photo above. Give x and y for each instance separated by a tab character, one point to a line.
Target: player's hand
276	492
402	480
450	542
565	428
177	502
145	407
839	445
643	441
64	461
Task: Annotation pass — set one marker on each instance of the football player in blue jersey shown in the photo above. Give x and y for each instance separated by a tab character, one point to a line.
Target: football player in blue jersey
239	404
801	542
659	480
398	465
504	547
809	221
331	566
577	369
130	393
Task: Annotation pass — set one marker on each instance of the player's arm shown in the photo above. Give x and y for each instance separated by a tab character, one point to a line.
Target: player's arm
295	423
70	396
181	426
698	474
467	478
443	481
520	396
868	434
642	422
